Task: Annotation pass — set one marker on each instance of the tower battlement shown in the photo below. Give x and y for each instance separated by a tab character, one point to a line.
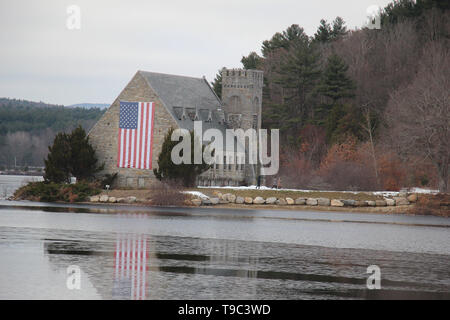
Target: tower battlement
242	77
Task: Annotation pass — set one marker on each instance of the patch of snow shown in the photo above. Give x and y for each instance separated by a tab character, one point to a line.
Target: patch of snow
422	190
197	194
380	193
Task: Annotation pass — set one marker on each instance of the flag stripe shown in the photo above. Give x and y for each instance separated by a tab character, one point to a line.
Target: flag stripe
151	139
135	136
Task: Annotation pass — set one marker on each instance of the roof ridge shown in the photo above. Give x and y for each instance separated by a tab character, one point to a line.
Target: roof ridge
169	74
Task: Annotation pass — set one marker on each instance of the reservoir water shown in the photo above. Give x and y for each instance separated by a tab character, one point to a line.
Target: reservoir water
136	252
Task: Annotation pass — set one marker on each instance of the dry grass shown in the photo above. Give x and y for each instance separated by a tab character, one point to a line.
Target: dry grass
435	205
159	195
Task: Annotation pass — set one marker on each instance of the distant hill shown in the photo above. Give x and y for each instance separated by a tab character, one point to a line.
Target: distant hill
89	105
30	116
27	128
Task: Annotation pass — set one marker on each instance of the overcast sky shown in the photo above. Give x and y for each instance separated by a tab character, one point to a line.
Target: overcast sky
41	59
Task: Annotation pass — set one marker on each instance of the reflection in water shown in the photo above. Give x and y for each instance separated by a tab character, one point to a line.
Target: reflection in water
125	256
130	266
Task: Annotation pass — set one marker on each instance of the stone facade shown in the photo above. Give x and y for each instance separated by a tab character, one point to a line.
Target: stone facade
178	102
104	134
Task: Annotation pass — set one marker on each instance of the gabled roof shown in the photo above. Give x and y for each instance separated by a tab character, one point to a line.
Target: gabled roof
187	99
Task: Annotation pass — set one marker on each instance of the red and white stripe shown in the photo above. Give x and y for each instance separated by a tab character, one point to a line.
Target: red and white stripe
130	264
135	146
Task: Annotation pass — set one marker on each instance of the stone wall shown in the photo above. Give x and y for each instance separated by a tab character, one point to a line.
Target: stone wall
104	134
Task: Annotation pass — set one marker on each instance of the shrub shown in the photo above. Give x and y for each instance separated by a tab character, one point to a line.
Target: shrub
50	191
166	194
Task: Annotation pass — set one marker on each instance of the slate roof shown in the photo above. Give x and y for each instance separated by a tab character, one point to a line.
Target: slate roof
187	99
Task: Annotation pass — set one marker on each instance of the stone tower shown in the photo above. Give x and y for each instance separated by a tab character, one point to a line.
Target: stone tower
242	101
242	97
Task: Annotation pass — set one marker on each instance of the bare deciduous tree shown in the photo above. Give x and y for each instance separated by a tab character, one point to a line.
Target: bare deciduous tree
419	113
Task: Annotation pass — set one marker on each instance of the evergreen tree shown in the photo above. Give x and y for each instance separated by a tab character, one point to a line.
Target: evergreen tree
83	160
167	171
339	28
57	164
71	154
217	84
335	83
298	77
326	32
323	33
335	86
291	36
252	61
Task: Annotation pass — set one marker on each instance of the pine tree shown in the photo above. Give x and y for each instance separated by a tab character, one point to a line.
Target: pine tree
335	86
335	83
323	33
71	154
57	164
298	76
83	160
167	171
339	28
217	84
252	61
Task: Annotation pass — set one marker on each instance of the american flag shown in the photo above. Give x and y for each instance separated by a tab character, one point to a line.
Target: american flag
135	135
130	266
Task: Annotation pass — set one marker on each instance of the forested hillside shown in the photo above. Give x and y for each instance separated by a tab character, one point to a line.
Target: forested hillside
27	128
361	109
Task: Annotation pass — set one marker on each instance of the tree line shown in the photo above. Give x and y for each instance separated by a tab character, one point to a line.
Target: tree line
27	129
361	109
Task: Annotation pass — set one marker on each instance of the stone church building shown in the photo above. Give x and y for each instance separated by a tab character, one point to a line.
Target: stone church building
178	102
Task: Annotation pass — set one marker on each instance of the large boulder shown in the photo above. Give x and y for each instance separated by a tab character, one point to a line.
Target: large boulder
112	199
94	199
271	200
240	200
412	197
232	198
401	201
390	202
214	200
300	201
336	203
196	202
259	200
281	202
371	203
311	202
290	201
323	202
248	200
360	203
104	198
349	203
225	197
130	199
380	203
206	201
402	194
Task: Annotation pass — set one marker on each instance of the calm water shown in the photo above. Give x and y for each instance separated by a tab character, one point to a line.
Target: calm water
124	252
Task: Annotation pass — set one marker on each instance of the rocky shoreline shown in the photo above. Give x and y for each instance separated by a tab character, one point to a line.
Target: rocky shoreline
402	199
219	198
